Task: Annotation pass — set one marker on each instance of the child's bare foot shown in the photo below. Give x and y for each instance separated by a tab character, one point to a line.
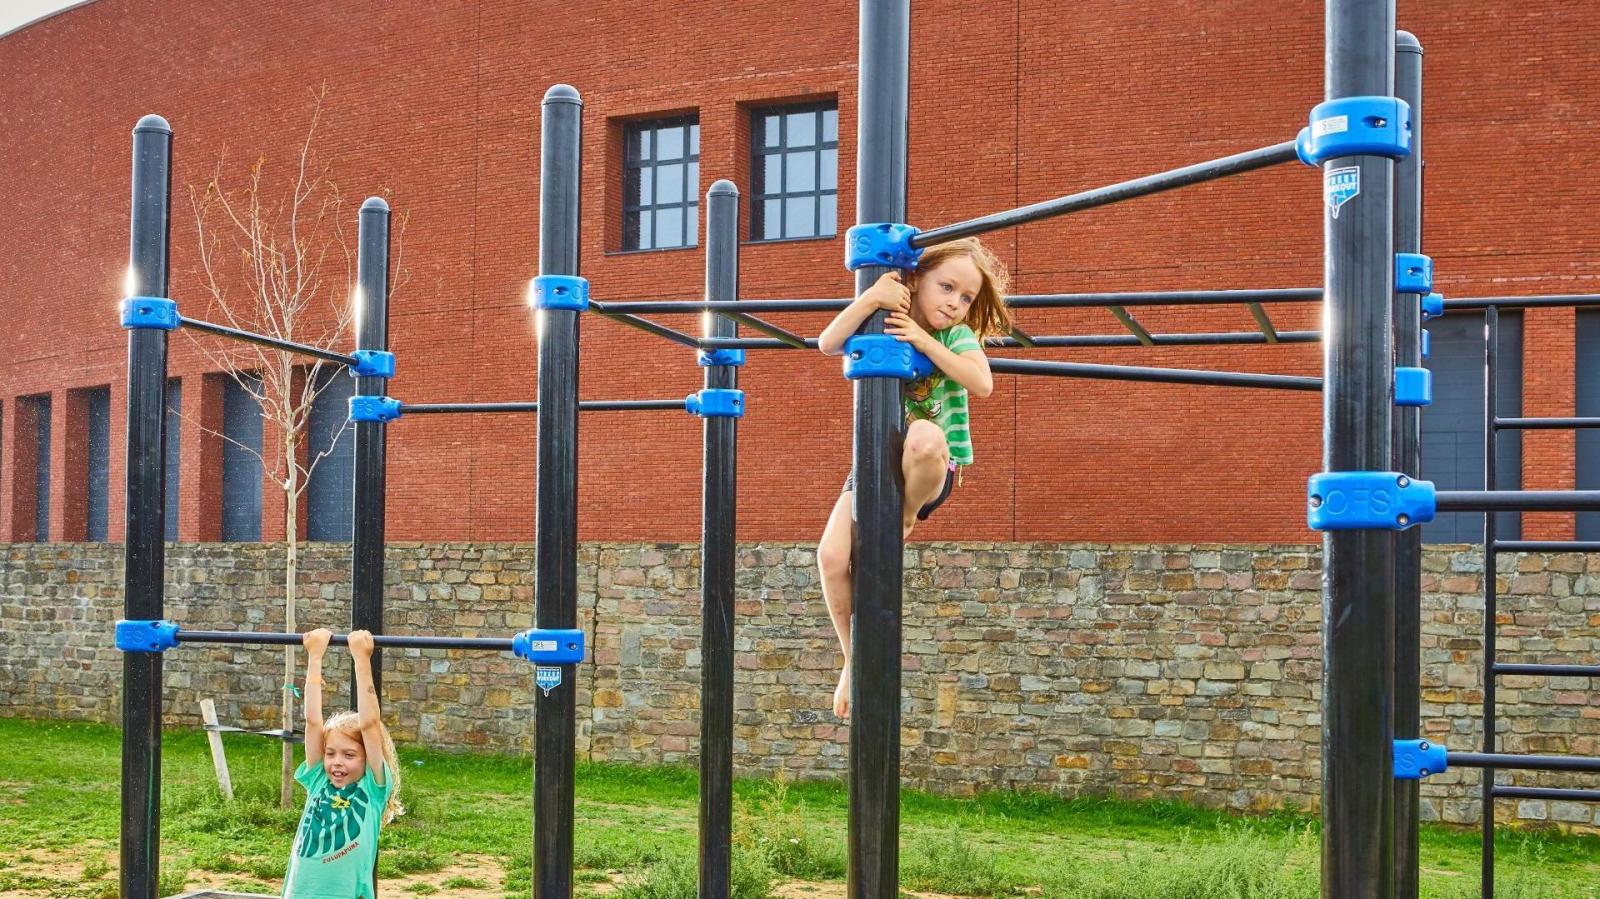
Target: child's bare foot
841	693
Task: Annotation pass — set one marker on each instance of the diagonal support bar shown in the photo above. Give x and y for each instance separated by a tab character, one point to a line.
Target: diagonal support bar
1129	322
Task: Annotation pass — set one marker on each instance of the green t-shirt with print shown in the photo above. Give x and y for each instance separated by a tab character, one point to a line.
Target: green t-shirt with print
941	399
337	843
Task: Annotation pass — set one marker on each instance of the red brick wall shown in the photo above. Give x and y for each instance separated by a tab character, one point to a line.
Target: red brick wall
435	105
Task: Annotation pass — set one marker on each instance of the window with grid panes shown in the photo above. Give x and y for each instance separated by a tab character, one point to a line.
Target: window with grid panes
794	168
661	184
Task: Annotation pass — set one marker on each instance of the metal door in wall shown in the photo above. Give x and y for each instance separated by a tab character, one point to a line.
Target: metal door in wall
1452	428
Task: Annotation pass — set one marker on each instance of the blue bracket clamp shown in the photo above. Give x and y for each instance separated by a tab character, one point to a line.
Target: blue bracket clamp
1416	759
157	313
709	358
549	646
374	408
1413	273
146	635
882	356
1356	126
1348	500
1432	306
880	243
1413	386
716	402
372	364
561	292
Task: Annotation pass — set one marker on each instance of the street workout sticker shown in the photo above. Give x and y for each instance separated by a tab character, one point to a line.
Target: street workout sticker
1340	186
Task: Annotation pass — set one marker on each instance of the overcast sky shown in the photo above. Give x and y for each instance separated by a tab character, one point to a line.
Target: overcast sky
16	13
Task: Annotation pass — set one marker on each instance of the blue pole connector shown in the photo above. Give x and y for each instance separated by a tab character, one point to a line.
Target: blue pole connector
1384	500
1356	126
883	356
1413	273
1413	386
561	292
158	313
716	402
1416	759
709	358
374	408
146	635
880	243
549	646
372	364
1432	306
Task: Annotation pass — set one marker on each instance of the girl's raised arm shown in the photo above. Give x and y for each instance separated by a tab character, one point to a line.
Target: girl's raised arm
889	292
367	702
316	644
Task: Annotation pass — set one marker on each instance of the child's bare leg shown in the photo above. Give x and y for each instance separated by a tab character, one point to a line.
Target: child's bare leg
833	561
925	462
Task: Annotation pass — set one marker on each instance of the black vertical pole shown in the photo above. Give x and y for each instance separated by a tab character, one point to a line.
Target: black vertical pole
1407	440
1491	359
144	555
556	547
876	576
717	562
1358	565
372	333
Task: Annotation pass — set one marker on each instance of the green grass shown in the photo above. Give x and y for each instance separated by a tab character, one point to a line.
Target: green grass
59	800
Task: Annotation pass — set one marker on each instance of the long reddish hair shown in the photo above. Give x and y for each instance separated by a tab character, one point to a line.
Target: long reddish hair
988	316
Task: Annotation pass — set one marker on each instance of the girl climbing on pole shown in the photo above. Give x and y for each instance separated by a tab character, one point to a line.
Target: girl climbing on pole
952	301
352	782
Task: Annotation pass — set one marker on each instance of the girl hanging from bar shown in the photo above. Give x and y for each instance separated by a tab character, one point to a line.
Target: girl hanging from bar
952	301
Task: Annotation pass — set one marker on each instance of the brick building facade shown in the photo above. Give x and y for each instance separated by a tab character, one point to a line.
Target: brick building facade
435	105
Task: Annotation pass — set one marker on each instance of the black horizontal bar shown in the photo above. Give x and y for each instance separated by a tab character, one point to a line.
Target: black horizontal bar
768	328
263	340
1236	164
584	406
1547	670
1240	338
1563	299
1546	793
1545	424
1524	762
268	639
1156	375
648	326
1019	301
1518	500
1549	546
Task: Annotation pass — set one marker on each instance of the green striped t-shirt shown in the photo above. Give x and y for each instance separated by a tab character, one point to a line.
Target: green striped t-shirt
942	400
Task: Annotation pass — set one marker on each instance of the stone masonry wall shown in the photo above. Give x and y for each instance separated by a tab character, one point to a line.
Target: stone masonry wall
1179	671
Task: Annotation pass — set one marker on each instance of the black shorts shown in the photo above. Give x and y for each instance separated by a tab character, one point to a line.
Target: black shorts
926	510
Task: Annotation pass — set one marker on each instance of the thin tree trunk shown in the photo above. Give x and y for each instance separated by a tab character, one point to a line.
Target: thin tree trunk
290	577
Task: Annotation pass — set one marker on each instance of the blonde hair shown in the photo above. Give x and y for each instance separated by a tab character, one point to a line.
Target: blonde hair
988	315
349	724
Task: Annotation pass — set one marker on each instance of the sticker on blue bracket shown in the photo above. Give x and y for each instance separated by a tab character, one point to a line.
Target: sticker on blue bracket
1340	186
709	358
1424	343
547	678
882	356
1416	759
554	646
716	402
1356	126
372	364
158	313
1413	273
146	636
561	292
1413	386
374	408
880	243
1432	306
1349	500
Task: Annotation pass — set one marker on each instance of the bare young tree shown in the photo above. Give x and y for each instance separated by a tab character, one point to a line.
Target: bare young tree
276	259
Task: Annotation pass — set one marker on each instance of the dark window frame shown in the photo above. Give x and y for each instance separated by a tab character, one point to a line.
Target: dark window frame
640	142
762	194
